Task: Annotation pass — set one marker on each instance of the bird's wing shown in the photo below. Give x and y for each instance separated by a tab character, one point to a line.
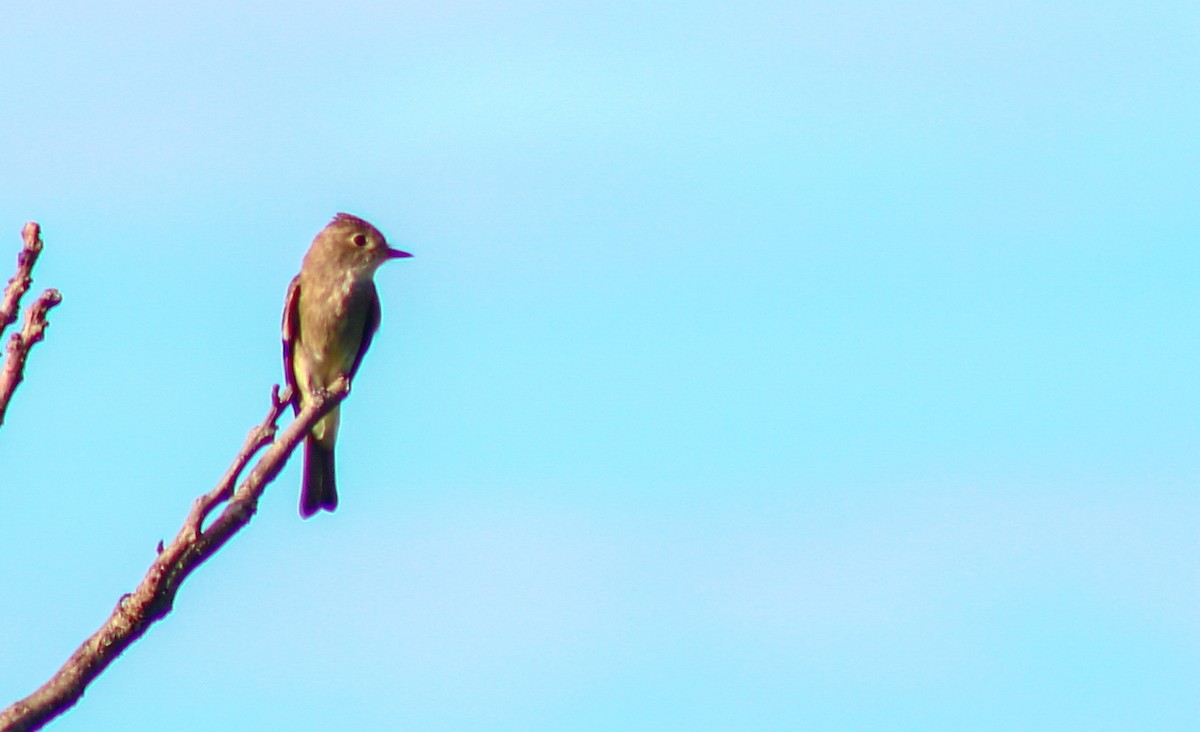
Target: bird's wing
291	331
370	325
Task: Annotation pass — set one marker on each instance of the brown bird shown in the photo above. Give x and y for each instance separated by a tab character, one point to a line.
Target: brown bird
330	316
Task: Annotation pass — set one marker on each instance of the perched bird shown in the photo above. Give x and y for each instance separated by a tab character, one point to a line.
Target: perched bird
331	314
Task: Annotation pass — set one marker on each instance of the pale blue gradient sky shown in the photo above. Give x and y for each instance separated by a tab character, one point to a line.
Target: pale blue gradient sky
762	366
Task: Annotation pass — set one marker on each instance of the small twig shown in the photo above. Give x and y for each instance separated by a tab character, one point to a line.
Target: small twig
19	345
258	438
191	547
13	369
19	284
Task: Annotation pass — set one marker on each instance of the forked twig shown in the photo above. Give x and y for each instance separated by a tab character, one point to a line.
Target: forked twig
34	329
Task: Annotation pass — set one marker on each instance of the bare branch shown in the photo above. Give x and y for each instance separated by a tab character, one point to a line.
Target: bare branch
13	369
194	544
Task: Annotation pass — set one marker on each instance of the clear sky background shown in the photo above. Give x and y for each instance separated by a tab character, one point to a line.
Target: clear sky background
774	366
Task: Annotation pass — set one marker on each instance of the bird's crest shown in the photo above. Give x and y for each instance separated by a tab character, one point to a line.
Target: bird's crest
345	218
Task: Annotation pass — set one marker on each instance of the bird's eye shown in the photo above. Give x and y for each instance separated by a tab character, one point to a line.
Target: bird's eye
360	240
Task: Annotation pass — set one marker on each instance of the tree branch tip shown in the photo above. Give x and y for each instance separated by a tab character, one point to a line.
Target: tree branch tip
31	233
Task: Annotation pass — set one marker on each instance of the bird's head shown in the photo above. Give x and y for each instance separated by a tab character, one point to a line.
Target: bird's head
355	245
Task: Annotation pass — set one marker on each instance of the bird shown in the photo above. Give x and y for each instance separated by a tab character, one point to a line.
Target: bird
330	316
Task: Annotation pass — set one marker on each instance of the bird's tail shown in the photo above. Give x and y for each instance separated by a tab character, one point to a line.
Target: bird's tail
320	488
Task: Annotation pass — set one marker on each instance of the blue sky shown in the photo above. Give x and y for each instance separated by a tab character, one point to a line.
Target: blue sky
761	366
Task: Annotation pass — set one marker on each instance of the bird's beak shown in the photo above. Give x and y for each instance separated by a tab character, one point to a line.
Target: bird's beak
397	254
